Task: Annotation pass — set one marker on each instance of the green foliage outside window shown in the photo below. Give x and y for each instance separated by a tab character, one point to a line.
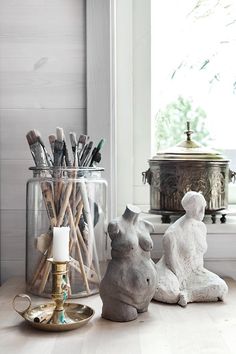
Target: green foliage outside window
171	123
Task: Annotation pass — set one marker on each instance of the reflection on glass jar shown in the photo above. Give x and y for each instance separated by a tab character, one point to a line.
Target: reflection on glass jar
66	197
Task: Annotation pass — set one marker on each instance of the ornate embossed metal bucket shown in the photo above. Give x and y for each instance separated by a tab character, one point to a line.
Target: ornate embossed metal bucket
188	166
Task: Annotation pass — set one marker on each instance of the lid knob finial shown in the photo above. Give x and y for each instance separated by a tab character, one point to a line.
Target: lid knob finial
188	132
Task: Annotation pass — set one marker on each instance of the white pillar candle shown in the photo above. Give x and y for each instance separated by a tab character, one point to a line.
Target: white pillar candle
60	246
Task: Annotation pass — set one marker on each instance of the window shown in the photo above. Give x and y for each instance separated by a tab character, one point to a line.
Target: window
135	101
194	73
193	63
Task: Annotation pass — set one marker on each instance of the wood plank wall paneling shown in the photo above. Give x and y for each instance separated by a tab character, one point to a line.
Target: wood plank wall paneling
42	85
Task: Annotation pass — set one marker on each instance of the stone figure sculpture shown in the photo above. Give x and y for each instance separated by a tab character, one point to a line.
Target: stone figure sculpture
130	280
181	276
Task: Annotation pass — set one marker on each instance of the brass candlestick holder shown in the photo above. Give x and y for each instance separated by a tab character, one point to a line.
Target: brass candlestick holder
59	291
59	315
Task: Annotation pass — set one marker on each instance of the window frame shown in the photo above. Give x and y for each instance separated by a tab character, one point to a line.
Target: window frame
118	46
100	83
119	96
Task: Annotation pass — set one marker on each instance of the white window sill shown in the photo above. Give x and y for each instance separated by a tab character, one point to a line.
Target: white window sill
218	228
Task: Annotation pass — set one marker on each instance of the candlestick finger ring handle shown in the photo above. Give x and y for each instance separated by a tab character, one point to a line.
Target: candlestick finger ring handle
21	296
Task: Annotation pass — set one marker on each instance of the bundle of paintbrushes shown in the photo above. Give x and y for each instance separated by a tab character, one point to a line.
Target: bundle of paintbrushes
71	198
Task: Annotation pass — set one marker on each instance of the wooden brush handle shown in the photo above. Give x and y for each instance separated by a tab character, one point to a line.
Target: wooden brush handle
46	271
47	265
92	251
73	229
50	207
38	270
64	204
58	190
90	273
79	212
49	203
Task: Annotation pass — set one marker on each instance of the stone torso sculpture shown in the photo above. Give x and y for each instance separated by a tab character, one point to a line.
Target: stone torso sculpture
181	276
130	280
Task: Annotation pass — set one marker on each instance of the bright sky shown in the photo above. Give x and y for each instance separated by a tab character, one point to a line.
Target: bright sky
182	36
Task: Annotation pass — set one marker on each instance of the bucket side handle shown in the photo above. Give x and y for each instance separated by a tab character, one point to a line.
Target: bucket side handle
147	176
232	176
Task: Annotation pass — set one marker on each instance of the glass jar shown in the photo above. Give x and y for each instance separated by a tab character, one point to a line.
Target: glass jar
74	197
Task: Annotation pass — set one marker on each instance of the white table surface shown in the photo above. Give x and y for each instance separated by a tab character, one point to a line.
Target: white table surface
164	329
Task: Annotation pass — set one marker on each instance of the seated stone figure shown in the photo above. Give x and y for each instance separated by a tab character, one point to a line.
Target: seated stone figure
130	280
181	276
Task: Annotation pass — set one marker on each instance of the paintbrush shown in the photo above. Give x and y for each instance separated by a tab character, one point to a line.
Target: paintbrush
50	162
41	159
43	318
38	150
92	251
74	147
96	159
86	153
81	143
61	150
96	155
52	139
66	154
58	147
58	162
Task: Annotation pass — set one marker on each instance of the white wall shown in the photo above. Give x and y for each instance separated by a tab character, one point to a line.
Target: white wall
42	85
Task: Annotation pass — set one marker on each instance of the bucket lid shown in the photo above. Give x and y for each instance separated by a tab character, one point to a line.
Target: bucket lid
189	150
